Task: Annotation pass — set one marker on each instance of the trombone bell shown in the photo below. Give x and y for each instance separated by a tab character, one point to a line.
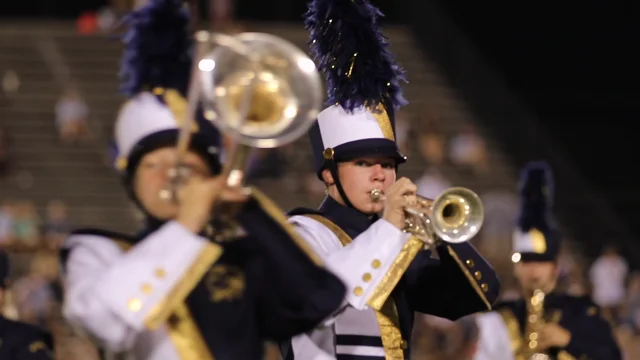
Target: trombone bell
260	89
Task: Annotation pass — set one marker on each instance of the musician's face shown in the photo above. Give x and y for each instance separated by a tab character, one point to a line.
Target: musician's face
359	177
536	275
152	176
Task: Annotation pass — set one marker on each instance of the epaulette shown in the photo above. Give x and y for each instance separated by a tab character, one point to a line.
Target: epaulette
303	211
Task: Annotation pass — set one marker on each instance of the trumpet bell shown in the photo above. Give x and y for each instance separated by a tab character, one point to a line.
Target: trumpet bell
457	215
264	91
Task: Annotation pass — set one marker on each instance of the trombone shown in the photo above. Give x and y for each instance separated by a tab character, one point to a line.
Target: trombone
258	89
455	217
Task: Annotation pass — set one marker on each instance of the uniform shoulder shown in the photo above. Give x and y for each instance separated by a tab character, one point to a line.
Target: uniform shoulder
102	233
301	211
94	238
79	235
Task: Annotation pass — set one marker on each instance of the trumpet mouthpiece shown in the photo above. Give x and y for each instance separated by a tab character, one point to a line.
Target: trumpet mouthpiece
376	195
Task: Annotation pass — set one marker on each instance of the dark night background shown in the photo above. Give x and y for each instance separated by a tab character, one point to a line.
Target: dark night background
572	63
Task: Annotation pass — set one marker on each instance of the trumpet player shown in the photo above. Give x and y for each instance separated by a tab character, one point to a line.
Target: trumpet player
358	229
544	324
182	288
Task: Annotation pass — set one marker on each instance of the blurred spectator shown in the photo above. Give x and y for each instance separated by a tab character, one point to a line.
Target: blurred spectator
608	275
431	144
494	240
56	224
468	149
34	294
456	341
403	131
26	223
6	223
5	143
266	164
87	23
71	117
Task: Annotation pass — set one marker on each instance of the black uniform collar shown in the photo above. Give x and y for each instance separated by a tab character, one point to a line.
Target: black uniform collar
352	221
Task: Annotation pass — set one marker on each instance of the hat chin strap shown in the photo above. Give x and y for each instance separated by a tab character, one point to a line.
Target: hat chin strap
333	168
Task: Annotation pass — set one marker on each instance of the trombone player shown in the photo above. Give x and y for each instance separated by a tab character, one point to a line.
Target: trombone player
182	288
544	324
358	229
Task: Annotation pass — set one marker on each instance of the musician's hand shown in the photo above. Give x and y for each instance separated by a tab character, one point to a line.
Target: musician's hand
196	198
402	193
553	336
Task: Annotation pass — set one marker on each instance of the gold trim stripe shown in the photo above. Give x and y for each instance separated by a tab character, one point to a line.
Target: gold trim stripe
278	216
469	276
186	336
400	265
161	312
381	116
183	331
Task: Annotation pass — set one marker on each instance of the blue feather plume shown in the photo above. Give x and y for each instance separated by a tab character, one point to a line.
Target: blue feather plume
158	48
536	193
351	51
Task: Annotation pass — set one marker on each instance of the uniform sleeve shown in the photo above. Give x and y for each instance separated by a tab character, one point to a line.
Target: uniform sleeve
592	338
494	342
464	281
364	263
114	295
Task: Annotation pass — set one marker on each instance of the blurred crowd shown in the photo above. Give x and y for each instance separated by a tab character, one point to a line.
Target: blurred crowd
32	238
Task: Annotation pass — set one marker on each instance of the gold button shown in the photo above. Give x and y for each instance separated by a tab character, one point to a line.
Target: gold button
592	311
478	275
358	291
403	345
135	305
366	277
328	153
376	264
147	288
160	273
485	287
470	263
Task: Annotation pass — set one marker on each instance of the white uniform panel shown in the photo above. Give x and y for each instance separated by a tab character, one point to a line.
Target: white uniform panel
372	253
494	342
338	127
104	285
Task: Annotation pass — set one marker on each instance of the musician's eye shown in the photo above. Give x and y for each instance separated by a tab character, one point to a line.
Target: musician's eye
362	163
389	165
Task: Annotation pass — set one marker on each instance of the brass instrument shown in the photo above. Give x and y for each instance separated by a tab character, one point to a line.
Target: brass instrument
456	216
534	322
256	88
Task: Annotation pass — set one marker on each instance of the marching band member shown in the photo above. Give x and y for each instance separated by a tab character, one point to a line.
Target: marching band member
20	341
387	273
171	292
544	324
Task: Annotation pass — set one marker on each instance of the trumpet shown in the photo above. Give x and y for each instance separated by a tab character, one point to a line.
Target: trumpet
456	216
258	89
